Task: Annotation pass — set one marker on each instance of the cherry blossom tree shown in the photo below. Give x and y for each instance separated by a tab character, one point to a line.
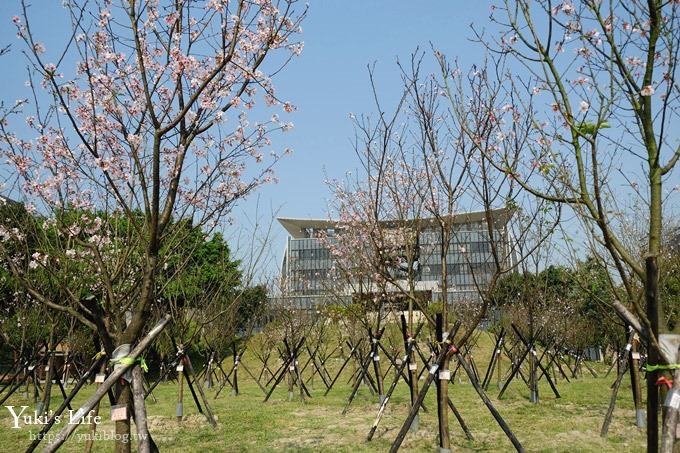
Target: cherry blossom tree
421	174
598	82
464	117
379	215
141	118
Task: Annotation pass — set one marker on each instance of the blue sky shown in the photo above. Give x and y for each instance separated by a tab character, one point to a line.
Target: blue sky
330	80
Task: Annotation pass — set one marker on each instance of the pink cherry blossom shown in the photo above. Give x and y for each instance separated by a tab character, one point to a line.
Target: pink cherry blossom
647	90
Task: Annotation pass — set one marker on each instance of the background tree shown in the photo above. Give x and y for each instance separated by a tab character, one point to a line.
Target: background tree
595	294
670	284
198	284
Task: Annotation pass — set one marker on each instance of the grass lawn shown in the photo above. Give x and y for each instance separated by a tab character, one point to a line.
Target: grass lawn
245	424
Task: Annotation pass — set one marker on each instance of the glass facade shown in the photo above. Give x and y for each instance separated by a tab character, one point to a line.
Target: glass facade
307	262
469	259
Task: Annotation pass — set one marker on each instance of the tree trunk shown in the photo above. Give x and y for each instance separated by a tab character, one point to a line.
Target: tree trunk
442	384
234	389
445	352
47	395
179	407
441	325
123	426
533	378
443	406
43	407
131	335
411	360
375	355
291	379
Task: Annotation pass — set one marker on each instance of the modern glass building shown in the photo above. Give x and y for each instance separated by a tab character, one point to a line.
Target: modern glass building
307	265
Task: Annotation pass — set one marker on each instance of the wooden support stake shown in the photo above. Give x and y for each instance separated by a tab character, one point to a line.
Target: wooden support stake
63	406
496	415
61	437
461	422
635	382
209	413
187	378
409	346
670	422
143	437
495	357
264	390
615	388
400	369
349	357
357	382
284	369
95	412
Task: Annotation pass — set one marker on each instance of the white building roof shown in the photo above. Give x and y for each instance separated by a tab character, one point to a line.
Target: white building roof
296	226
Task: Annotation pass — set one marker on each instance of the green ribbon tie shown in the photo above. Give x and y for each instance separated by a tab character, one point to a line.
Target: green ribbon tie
131	361
672	366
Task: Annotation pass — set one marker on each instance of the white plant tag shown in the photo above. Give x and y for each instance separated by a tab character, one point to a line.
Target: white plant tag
118	413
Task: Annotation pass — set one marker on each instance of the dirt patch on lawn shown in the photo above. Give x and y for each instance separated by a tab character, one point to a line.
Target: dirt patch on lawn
321	427
166	427
318	428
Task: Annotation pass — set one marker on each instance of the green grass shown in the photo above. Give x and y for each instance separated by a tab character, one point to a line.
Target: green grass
246	424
